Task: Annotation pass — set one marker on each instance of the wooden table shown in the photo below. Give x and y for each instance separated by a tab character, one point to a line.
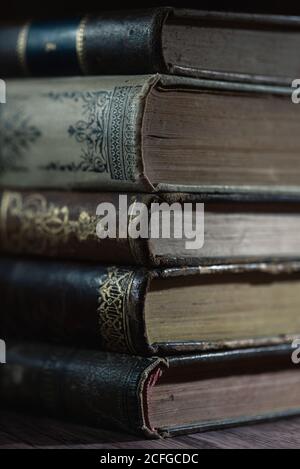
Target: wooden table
18	431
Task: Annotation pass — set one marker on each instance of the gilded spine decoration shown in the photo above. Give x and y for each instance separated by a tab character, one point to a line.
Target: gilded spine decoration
21	48
39	226
80	45
114	294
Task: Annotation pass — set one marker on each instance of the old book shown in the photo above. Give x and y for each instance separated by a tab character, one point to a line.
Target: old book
203	44
158	397
236	228
143	312
148	133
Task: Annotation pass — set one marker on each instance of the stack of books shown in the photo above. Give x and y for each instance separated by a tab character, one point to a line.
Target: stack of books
106	117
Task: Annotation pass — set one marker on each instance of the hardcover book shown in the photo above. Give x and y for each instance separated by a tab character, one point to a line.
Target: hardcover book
228	46
67	225
148	312
158	397
145	133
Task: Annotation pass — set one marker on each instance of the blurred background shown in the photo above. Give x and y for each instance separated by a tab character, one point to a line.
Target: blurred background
14	8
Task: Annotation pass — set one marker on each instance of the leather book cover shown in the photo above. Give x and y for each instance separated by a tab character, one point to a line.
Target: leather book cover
64	225
96	135
89	305
82	133
131	42
113	43
118	392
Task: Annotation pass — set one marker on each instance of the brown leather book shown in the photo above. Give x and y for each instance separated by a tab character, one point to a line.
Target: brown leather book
148	312
158	397
236	228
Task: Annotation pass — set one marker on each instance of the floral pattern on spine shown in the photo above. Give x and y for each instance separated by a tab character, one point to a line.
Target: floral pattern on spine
106	133
17	136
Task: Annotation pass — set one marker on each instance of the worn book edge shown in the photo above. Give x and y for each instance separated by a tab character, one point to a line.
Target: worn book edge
122	321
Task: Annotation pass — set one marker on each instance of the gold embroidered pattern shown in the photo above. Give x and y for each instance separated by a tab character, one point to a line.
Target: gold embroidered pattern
39	226
80	45
113	302
21	47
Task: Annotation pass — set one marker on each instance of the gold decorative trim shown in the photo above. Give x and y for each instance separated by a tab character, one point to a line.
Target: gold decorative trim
114	294
40	227
22	47
80	37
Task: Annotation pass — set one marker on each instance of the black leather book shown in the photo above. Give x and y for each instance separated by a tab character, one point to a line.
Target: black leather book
229	46
158	397
150	312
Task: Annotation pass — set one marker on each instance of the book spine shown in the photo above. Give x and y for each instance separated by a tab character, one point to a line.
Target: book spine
94	388
117	43
69	303
65	226
81	133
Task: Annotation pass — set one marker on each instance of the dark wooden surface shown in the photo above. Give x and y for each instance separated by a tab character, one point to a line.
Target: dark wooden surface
18	431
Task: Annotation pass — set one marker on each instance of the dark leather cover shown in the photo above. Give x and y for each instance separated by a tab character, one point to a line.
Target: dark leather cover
83	304
89	305
125	42
64	225
119	42
113	390
95	388
10	62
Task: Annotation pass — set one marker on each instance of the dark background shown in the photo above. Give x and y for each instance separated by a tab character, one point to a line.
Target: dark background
29	9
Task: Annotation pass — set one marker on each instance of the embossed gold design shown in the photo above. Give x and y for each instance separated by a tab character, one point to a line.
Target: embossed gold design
22	46
80	45
41	227
50	47
113	301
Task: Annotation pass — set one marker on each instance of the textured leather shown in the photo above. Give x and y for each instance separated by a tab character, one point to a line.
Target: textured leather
89	305
111	390
95	388
128	42
49	301
10	64
69	303
64	225
131	42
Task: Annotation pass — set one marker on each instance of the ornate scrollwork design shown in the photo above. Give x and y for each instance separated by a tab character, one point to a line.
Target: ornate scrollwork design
40	226
113	297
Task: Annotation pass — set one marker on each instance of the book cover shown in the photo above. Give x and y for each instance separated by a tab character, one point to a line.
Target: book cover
156	397
147	312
